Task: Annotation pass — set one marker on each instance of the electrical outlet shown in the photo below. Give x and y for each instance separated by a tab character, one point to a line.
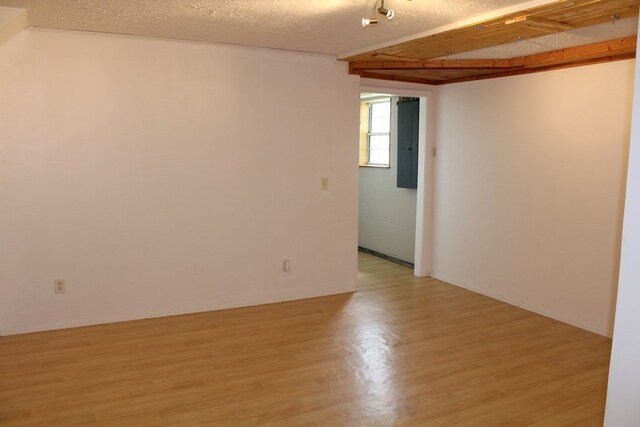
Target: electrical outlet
324	184
58	286
286	265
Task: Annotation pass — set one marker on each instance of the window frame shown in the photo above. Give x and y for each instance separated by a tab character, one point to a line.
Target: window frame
370	134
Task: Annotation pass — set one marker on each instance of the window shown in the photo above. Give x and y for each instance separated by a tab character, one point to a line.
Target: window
376	115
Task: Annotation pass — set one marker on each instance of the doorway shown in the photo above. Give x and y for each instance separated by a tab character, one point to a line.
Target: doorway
395	215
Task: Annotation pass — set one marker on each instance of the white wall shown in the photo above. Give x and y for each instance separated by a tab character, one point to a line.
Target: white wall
623	395
530	186
387	214
160	177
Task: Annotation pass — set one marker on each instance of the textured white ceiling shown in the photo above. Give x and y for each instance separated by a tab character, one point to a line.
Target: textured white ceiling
321	26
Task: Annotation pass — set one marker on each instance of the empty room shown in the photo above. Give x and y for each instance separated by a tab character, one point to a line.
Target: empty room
340	213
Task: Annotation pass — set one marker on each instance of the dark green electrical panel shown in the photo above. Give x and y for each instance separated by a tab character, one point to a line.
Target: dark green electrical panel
408	125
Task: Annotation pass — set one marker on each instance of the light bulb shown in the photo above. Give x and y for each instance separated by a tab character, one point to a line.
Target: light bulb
369	21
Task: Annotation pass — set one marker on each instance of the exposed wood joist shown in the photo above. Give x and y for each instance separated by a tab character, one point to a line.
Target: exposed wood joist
611	48
520	71
356	67
457	70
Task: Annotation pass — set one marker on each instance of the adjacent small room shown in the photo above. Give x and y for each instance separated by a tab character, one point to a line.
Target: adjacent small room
388	176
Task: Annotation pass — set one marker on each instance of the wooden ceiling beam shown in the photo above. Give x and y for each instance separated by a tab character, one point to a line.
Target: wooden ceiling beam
400	78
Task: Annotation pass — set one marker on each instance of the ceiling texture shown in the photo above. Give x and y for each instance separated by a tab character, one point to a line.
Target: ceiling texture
428	41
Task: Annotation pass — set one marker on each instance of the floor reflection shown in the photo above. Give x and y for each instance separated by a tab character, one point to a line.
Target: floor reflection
372	361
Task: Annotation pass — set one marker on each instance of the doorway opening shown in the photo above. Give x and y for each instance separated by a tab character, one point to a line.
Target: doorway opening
395	176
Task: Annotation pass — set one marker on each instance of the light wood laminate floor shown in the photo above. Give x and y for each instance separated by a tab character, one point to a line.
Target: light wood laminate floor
401	351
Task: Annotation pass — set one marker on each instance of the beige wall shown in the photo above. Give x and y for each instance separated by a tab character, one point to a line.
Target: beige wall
530	179
160	177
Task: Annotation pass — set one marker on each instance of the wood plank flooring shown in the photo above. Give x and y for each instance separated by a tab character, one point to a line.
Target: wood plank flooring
401	351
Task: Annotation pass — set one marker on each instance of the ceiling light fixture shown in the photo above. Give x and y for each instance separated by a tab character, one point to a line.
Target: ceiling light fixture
378	6
384	11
